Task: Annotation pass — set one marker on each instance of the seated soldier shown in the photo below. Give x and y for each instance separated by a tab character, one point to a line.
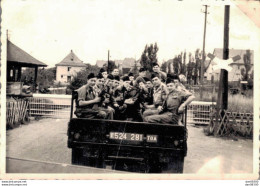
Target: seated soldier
88	100
159	95
142	74
116	82
148	98
133	100
115	72
104	73
174	104
156	69
105	101
119	99
177	82
99	86
109	84
143	92
131	78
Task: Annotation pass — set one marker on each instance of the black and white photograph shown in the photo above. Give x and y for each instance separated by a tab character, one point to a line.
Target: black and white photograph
149	89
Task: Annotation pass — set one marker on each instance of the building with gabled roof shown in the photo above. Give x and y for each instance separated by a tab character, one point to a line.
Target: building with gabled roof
237	66
68	68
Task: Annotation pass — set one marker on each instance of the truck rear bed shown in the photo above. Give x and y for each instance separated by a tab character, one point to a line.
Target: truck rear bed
110	141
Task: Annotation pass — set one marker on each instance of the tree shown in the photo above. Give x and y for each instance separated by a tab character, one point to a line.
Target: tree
45	77
92	69
176	65
134	70
164	67
82	77
190	69
247	63
184	64
180	70
197	65
149	56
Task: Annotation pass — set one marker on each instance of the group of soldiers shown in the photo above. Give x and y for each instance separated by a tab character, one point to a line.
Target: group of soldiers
159	99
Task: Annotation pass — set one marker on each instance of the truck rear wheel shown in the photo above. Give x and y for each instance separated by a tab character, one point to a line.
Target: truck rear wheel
174	166
78	158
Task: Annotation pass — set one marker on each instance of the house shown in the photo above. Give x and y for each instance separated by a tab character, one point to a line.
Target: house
237	66
68	68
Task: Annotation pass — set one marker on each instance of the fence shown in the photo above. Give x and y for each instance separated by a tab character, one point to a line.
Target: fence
50	105
199	112
16	112
60	90
58	106
224	123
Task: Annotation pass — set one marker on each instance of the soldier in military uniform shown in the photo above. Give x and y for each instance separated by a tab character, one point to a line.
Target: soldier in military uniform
104	73
134	99
131	78
142	74
174	104
88	99
106	98
148	97
109	84
119	104
156	69
159	95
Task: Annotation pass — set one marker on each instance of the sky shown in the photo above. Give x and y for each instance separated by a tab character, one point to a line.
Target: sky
48	30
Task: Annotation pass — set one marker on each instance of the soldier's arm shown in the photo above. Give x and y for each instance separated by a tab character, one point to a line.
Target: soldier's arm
149	106
82	95
189	99
89	102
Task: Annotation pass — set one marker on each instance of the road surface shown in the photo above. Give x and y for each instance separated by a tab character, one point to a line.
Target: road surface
44	142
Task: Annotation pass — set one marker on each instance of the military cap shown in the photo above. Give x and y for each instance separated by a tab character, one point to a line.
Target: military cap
110	76
155	75
125	78
99	76
117	78
91	75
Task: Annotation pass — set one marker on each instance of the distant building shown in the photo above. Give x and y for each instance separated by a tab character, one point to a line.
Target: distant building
235	74
125	65
68	68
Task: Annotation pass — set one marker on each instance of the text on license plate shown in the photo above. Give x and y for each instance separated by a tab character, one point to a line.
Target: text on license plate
132	137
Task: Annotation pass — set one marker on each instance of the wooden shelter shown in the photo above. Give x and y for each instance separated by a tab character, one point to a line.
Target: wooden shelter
16	59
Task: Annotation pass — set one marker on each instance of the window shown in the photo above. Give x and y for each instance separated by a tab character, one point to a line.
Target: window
69	69
69	79
61	76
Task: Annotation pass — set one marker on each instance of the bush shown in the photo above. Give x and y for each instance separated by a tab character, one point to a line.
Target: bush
82	77
238	102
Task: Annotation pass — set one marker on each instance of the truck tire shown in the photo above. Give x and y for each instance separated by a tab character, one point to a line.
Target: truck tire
174	166
77	158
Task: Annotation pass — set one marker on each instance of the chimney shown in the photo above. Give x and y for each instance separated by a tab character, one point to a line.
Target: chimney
72	56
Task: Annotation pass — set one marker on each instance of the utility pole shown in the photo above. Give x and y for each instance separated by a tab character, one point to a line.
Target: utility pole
223	82
108	57
203	52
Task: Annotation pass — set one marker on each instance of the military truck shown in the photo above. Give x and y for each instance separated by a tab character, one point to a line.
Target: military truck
127	145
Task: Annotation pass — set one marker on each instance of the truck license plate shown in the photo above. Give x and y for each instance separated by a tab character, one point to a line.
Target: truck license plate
126	136
133	137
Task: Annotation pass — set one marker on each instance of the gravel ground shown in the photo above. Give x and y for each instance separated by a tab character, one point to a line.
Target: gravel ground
46	140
